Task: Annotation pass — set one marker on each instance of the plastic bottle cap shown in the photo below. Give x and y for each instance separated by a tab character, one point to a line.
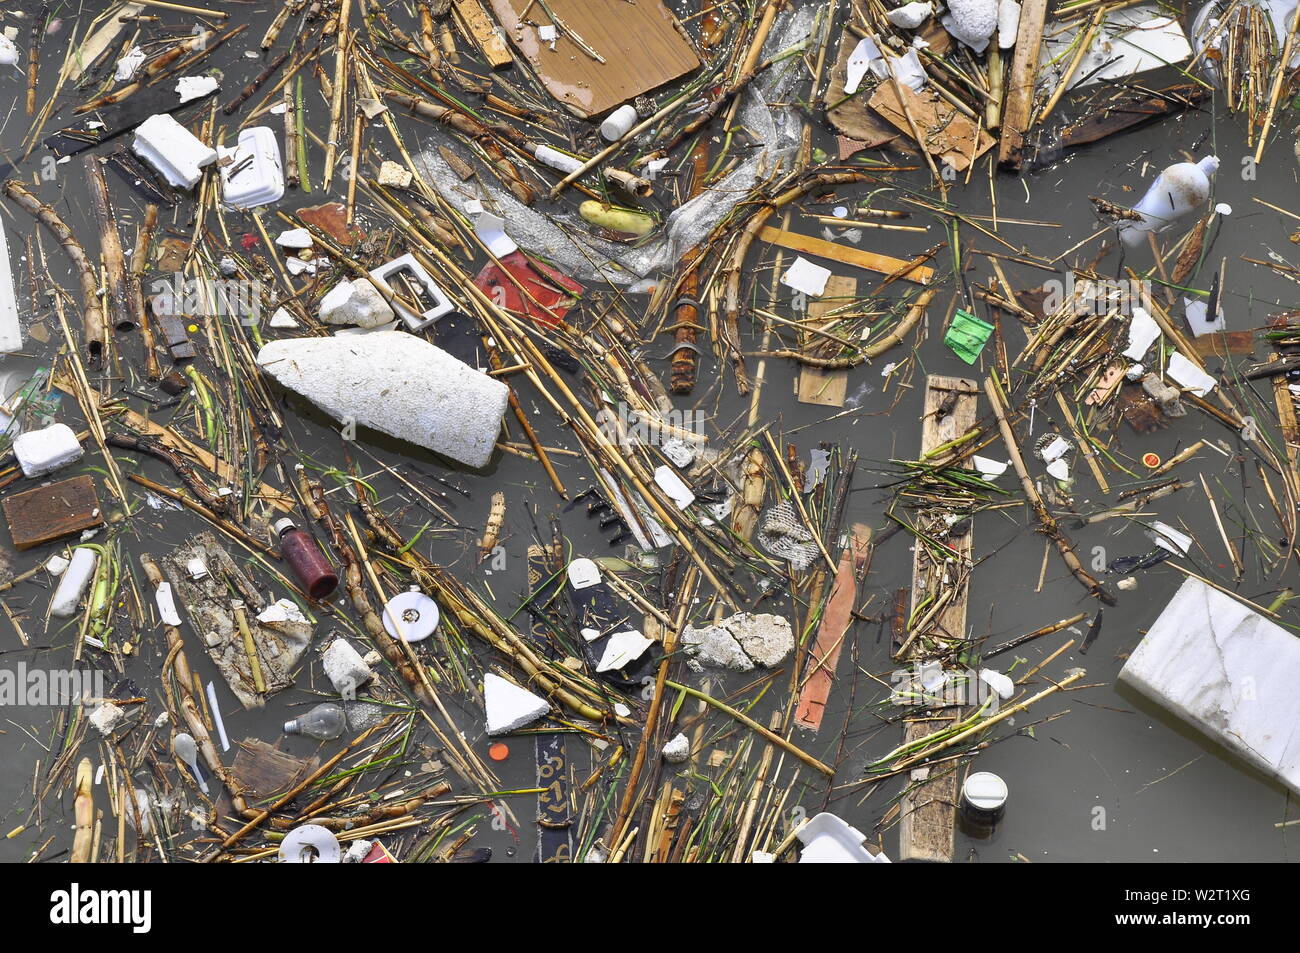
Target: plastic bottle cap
310	844
499	751
985	790
281	525
1151	460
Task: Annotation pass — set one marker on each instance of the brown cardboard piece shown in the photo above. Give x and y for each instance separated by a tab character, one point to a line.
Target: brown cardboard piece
949	136
642	44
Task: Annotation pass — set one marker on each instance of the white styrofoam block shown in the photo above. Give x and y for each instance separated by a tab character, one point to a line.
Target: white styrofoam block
73	582
11	332
398	384
345	668
173	150
1228	671
254	176
508	706
43	451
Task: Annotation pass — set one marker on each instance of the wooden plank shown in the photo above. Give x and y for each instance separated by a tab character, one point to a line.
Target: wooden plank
1238	343
1018	110
881	264
52	512
642	45
928	810
836	623
826	388
478	25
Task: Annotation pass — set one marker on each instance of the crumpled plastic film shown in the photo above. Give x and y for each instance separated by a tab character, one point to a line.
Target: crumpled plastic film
573	250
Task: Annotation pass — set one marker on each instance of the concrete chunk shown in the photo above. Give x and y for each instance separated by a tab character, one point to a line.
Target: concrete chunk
1228	671
508	706
741	642
355	302
398	384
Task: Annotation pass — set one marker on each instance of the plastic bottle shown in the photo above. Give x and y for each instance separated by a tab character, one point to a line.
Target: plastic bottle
314	573
1176	191
324	723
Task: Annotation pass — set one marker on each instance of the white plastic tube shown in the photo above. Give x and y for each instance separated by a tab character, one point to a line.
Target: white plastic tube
556	159
618	123
73	583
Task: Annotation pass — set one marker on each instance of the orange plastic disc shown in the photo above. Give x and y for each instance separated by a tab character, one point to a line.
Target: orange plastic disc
499	751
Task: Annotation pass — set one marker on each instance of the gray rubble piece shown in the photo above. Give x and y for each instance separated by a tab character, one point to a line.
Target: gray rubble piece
355	302
107	718
398	384
510	707
741	642
1227	671
345	668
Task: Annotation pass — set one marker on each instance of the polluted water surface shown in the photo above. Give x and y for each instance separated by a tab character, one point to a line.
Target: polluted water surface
590	431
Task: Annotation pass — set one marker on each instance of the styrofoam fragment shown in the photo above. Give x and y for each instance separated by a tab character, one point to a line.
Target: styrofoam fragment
43	451
173	150
345	668
677	750
107	718
398	384
508	706
73	582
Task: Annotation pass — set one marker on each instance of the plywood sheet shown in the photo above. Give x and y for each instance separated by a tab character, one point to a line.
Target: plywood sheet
641	42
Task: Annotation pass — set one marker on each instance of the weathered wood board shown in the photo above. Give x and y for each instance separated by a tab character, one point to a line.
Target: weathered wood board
817	385
846	254
52	512
642	44
928	811
837	622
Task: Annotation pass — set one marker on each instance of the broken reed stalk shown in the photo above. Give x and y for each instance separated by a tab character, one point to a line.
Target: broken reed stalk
94	328
1046	522
1030	636
110	242
1278	78
341	42
671	637
926	754
135	290
753	725
734	268
397	652
685	310
1084	39
83	806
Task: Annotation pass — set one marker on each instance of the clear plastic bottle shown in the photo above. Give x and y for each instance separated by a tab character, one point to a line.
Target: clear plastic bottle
324	723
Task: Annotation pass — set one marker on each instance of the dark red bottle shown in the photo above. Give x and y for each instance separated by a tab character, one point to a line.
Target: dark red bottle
309	564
